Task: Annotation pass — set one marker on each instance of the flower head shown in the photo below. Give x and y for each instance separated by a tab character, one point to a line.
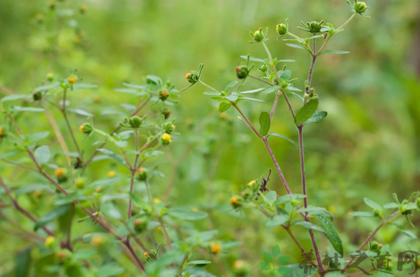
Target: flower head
166	139
215	248
72	80
111	174
59	172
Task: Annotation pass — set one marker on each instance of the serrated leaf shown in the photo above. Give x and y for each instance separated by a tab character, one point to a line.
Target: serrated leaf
224	107
265	123
308	225
331	233
288	197
42	154
317	117
306	111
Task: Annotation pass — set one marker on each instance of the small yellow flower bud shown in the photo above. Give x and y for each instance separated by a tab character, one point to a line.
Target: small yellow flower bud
194	210
159	229
49	241
2	133
96	240
59	172
234	200
215	248
96	98
111	174
250	184
166	139
98	189
83	9
39	16
188	75
157	201
223	115
72	80
37	193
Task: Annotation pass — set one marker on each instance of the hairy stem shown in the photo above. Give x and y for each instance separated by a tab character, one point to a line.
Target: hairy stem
63	111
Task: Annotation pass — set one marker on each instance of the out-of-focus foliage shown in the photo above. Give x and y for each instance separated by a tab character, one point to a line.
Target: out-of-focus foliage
367	146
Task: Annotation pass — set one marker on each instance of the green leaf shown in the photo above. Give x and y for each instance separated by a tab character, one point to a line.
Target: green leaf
284	271
199	263
36	137
220	98
275	251
312	210
230	86
265	123
80	112
277	220
109	270
363	214
250	99
224	107
25	109
286	138
271	89
22	263
338	52
283	260
405	231
8	154
12	97
42	154
47	87
114	156
265	266
212	93
391	206
271	197
252	91
73	270
288	197
54	214
308	225
253	59
139	202
233	97
81	85
267	257
331	233
306	112
296	46
373	204
186	214
316	117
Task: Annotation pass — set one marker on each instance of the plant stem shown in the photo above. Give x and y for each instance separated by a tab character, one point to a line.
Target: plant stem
133	172
261	80
246	119
276	164
299	245
63	110
278	79
273	109
383	222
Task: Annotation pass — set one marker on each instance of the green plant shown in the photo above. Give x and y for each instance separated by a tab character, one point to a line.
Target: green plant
282	210
94	225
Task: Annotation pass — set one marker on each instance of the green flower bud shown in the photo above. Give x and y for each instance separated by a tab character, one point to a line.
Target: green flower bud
192	77
235	202
360	7
37	96
86	128
168	127
83	9
142	174
375	246
140	224
282	29
135	121
51	5
50	77
63	255
258	35
166	139
166	113
294	202
263	68
242	71
312	27
80	182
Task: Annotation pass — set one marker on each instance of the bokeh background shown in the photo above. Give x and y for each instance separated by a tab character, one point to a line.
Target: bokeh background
368	146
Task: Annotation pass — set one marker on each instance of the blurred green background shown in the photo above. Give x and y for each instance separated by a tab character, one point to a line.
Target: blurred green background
368	146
